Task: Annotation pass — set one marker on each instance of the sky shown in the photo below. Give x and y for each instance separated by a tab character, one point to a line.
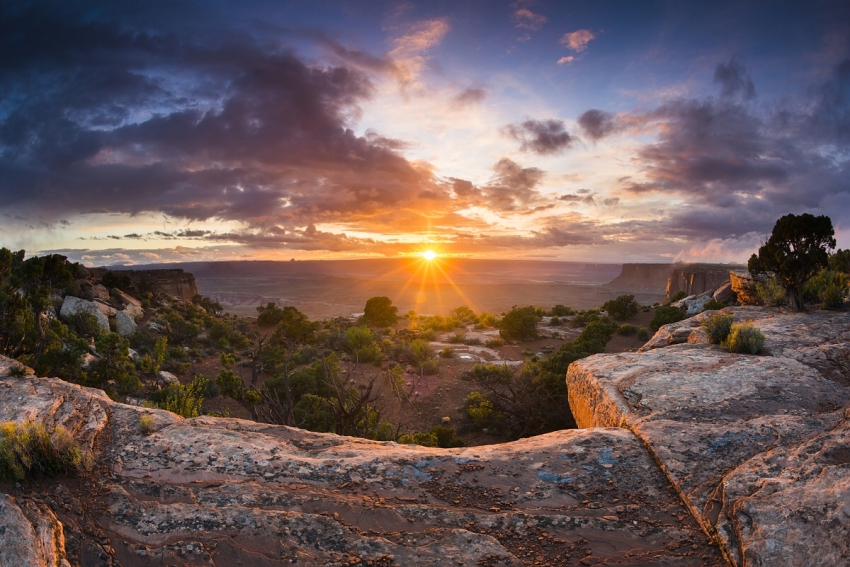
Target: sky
140	132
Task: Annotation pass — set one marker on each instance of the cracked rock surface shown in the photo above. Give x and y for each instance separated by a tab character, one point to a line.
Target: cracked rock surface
756	445
215	491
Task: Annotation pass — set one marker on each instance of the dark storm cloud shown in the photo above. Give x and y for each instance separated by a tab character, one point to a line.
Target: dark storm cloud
542	137
597	124
736	166
734	80
118	111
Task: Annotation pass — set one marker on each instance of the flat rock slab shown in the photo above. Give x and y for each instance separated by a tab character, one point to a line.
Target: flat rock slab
215	491
708	415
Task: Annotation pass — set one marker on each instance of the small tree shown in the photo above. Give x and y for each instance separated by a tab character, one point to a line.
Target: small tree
520	324
796	250
622	308
380	312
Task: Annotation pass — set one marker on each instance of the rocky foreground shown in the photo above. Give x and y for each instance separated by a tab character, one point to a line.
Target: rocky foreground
691	456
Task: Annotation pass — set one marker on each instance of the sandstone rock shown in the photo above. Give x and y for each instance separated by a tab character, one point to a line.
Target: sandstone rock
154	326
696	279
10	367
724	426
724	293
105	308
696	304
73	305
744	287
125	325
675	333
94	291
30	534
88	359
228	491
167	377
130	304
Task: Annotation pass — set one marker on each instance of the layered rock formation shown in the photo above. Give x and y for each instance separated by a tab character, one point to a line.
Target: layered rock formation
173	282
214	491
642	277
696	279
755	445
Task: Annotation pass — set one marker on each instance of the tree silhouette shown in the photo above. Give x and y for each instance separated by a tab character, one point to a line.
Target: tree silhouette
795	251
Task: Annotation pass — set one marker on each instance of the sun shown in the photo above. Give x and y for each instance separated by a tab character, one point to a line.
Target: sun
429	255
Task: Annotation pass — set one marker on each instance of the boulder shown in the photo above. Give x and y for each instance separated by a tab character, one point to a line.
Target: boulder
88	359
73	305
675	333
167	377
94	291
125	325
154	326
696	304
129	304
725	293
753	443
744	287
11	367
105	308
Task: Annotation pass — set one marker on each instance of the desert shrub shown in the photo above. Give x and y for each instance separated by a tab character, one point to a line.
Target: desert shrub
464	314
472	341
314	413
85	324
827	287
185	399
555	321
665	315
145	424
292	326
28	450
481	410
494	343
643	334
488	320
431	367
447	352
528	352
771	292
681	294
115	279
446	438
380	312
717	327
840	261
419	438
745	338
561	311
229	384
623	307
457	338
519	324
428	335
714	305
626	330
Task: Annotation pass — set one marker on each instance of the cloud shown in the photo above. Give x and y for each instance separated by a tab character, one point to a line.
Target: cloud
150	255
409	48
577	40
566	59
734	80
597	124
526	19
542	137
473	94
513	187
576	198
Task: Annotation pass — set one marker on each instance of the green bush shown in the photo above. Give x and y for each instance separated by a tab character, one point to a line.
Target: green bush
562	311
314	413
717	327
85	324
771	292
519	324
714	305
447	352
457	338
555	321
828	287
665	315
185	399
115	279
840	261
626	330
624	307
446	437
745	338
419	438
431	367
494	343
146	424
27	450
643	334
681	294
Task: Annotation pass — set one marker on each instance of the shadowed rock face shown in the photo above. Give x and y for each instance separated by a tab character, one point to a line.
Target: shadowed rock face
212	491
756	445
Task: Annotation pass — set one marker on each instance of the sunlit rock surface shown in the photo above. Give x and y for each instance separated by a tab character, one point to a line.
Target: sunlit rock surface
756	445
213	491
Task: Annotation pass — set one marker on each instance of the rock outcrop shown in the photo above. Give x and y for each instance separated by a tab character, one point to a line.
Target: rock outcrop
173	282
696	279
756	445
642	277
74	305
744	286
215	491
